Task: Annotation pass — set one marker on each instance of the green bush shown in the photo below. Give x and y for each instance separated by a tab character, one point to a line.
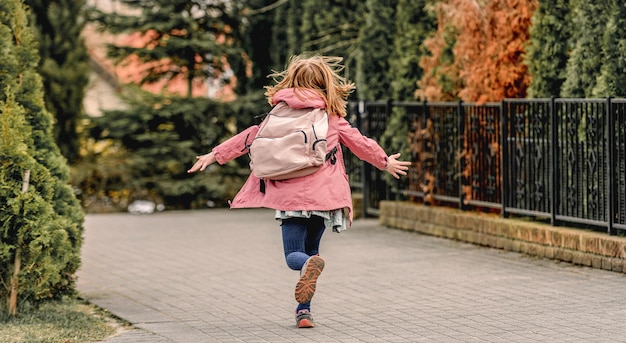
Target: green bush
40	218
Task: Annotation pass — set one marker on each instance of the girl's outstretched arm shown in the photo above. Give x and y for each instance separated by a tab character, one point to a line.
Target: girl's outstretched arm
395	167
202	162
230	149
370	151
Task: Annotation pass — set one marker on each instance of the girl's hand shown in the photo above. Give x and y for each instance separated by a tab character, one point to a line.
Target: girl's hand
395	167
202	162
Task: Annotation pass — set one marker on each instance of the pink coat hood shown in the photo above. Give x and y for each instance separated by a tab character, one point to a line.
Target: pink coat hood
326	189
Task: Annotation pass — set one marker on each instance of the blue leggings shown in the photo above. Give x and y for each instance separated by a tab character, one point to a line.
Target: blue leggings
301	239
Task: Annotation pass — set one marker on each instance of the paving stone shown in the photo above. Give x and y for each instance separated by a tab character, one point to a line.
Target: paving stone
219	276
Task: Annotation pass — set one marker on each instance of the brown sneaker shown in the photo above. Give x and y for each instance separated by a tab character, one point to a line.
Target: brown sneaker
304	319
305	288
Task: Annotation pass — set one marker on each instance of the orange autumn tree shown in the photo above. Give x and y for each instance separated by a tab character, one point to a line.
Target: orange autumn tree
495	68
458	42
476	56
477	51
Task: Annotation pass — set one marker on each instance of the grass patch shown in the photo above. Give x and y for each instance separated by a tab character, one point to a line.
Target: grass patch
69	321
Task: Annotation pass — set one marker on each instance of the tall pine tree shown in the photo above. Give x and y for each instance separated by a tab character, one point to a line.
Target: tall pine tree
286	38
486	40
179	39
64	67
490	55
583	66
373	78
41	220
332	28
257	37
414	23
612	78
159	135
547	49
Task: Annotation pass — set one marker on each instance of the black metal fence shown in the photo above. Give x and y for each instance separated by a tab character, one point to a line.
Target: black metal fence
557	160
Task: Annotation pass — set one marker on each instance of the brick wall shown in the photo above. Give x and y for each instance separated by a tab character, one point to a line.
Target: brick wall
578	246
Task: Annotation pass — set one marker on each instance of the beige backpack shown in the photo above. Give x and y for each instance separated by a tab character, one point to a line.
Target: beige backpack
290	143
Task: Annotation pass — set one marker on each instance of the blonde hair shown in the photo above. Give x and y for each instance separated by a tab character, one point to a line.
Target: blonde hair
318	73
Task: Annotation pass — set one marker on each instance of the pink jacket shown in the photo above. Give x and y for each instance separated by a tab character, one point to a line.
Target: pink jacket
326	189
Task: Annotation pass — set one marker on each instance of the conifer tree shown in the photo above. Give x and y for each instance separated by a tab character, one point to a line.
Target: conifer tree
159	135
286	37
583	65
488	44
174	39
414	23
372	78
257	38
40	219
612	79
63	66
332	28
547	49
490	55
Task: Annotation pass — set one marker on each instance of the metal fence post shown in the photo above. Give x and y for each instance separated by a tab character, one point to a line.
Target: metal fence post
555	161
461	147
504	170
610	167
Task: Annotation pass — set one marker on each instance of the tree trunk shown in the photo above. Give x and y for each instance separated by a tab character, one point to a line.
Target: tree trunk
14	281
17	263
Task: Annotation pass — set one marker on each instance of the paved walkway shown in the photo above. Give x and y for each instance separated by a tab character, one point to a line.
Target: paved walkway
219	276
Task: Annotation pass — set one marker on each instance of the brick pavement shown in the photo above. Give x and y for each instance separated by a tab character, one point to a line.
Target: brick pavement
219	276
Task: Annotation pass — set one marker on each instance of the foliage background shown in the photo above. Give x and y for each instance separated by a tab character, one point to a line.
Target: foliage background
395	50
423	50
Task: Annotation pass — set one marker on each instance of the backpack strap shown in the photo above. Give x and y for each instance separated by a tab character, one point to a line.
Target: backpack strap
246	146
332	156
